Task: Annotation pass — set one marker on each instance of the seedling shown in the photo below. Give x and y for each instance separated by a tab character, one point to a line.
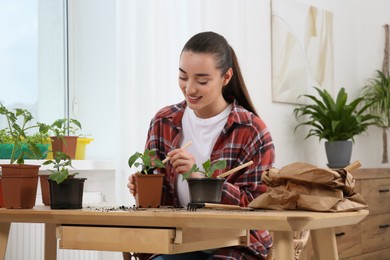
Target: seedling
61	164
18	122
209	168
147	160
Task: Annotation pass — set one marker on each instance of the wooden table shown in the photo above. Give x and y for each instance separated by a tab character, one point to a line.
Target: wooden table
169	230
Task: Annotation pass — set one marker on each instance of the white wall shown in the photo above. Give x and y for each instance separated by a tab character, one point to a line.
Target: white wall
370	40
100	65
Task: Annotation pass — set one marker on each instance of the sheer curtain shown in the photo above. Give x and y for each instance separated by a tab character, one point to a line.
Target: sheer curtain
150	35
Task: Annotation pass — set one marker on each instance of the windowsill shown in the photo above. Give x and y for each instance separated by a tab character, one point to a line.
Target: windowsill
78	165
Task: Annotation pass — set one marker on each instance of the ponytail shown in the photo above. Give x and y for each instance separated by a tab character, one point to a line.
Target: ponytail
236	88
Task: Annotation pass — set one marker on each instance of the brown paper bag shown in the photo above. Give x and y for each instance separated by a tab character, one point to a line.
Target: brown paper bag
307	187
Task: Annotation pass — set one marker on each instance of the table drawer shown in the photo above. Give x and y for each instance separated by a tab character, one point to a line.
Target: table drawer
148	240
376	232
349	240
376	192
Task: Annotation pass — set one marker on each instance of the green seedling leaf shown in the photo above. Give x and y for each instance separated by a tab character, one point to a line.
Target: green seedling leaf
146	160
209	168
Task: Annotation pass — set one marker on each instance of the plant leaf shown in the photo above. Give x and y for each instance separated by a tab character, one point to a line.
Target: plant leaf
133	158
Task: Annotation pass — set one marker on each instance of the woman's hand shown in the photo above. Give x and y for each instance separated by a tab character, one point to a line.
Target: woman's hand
181	160
131	185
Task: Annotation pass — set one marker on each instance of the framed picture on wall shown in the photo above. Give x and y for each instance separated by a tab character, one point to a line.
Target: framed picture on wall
302	49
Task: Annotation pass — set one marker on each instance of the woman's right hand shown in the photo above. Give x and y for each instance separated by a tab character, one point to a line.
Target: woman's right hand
131	185
181	160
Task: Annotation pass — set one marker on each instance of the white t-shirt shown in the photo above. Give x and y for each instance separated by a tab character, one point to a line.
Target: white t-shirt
203	133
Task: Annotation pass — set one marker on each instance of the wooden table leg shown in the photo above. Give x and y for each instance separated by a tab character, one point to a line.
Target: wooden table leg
283	245
50	242
4	233
324	244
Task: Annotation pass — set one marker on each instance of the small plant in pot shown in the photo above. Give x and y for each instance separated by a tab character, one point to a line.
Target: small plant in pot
149	185
64	138
209	188
66	191
336	121
19	180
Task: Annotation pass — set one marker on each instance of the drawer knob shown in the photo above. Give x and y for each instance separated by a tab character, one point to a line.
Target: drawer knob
340	234
384	190
384	226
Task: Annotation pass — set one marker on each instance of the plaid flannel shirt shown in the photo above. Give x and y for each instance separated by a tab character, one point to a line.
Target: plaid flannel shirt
244	137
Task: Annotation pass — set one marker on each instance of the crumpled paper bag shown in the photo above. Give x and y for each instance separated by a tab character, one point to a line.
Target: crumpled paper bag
302	186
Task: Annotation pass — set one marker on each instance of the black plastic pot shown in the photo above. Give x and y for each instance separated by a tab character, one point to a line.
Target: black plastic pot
205	189
68	194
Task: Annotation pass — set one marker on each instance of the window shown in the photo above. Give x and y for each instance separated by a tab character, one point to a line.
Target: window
33	57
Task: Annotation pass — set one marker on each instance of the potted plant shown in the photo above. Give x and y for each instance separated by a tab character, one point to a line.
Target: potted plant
38	139
335	121
376	93
209	188
19	180
66	191
64	138
149	185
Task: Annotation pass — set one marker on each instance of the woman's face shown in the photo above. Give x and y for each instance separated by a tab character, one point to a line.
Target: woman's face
202	83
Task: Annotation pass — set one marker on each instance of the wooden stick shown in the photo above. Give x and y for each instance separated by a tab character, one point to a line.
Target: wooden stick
224	206
183	147
220	206
223	175
352	166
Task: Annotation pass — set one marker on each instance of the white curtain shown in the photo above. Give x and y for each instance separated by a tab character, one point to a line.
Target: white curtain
150	36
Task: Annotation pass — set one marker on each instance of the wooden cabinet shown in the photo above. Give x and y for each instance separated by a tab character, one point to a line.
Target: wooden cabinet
370	239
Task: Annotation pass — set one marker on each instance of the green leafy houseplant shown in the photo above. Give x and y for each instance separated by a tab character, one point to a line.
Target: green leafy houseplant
334	119
209	168
376	94
147	160
17	133
61	164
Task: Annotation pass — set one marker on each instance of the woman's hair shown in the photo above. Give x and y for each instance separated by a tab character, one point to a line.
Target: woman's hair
225	58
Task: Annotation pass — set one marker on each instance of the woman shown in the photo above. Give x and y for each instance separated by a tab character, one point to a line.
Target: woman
220	120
